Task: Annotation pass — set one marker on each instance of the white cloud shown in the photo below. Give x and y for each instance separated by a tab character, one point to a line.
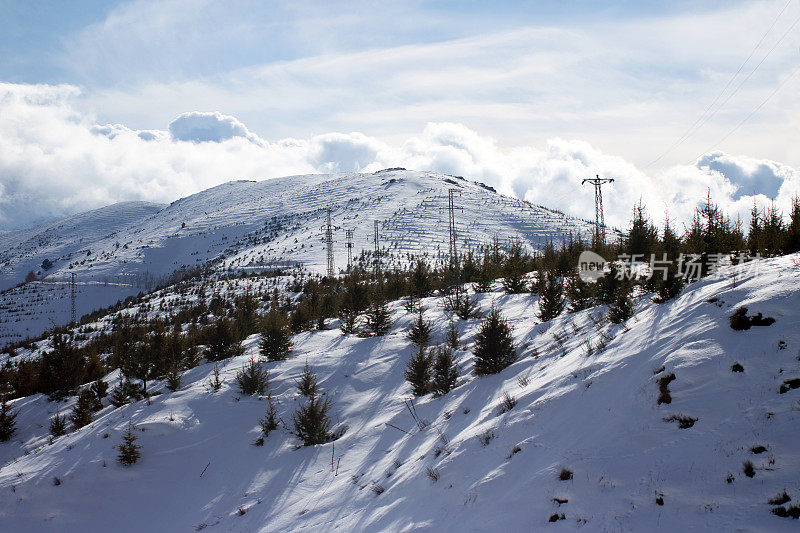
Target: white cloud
55	160
627	86
197	126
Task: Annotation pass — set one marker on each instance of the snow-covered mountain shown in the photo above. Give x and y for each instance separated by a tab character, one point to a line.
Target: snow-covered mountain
122	249
586	447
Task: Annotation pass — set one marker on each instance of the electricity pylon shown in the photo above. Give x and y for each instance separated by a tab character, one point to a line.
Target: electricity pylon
599	220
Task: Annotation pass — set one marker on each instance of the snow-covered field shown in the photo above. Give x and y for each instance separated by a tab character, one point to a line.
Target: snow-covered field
247	225
586	396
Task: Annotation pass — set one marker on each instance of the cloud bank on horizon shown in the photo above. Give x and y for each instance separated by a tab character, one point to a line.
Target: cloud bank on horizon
55	161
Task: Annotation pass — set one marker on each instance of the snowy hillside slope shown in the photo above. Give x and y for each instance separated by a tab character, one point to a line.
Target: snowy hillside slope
586	396
254	225
65	240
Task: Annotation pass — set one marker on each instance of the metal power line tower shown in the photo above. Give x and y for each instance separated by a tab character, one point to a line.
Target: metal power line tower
348	233
377	246
599	220
328	227
452	227
72	297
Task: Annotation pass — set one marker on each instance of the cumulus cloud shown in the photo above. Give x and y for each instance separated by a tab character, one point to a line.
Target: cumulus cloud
55	160
198	126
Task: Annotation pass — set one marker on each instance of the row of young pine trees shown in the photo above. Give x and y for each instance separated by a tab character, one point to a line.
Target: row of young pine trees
359	301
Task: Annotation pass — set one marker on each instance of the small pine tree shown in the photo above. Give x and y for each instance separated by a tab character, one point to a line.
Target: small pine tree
419	371
125	392
119	395
174	380
621	309
311	421
452	334
494	344
129	450
215	382
223	342
8	424
83	409
445	371
551	299
307	382
581	294
348	321
459	302
514	269
420	331
379	320
670	287
252	379
100	390
58	425
276	342
270	420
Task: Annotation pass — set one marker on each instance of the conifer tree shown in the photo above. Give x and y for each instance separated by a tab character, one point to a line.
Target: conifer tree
100	390
129	451
252	379
514	269
668	285
222	342
215	382
270	421
61	369
642	237
452	334
793	230
83	409
445	371
311	421
551	299
754	233
421	285
621	309
246	316
420	331
58	425
581	294
124	392
379	321
307	382
276	340
494	344
174	380
348	321
8	424
485	274
461	304
419	371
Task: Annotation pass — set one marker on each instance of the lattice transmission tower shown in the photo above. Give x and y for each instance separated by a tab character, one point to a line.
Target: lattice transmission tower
599	220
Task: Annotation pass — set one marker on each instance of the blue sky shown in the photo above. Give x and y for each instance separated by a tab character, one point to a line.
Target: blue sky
504	86
38	37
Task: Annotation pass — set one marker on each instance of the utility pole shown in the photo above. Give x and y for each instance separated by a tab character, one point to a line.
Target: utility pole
348	233
328	227
72	296
599	220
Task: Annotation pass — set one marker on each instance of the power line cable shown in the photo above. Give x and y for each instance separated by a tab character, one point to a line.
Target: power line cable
704	116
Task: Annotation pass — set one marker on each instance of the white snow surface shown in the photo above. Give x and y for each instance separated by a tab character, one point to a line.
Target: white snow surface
252	225
592	412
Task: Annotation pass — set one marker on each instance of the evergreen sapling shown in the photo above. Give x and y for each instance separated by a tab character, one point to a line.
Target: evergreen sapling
494	344
129	450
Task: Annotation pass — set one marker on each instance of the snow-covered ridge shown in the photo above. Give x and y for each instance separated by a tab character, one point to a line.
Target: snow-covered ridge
586	395
247	224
